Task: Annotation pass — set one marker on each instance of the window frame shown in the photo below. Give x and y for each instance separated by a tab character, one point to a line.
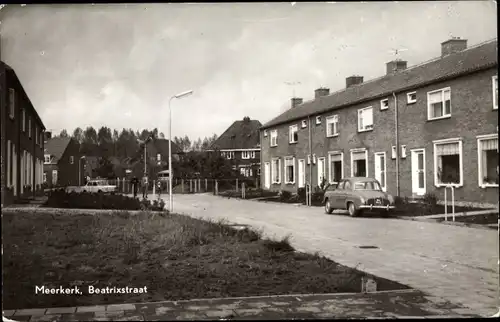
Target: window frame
429	111
366	160
45	156
403	151
318	120
375	155
273	134
287	159
55	176
360	113
304	124
12	103
494	80
265	133
293	129
335	121
330	170
324	172
71	159
480	174
409	100
435	143
382	108
394	151
273	177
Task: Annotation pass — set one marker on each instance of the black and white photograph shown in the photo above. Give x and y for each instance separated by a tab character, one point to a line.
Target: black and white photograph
249	160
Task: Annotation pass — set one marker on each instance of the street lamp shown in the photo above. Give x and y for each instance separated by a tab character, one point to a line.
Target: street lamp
170	172
79	170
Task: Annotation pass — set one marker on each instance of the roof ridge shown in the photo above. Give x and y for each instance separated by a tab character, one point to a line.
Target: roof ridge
405	70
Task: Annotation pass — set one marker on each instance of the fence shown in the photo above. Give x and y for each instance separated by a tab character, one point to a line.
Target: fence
199	185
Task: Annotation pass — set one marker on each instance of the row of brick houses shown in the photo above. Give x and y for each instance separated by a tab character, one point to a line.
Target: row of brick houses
415	129
22	143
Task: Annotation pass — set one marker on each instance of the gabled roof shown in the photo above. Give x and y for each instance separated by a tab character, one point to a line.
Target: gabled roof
240	135
480	57
56	147
9	69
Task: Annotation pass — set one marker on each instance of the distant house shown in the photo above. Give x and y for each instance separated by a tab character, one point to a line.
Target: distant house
63	165
240	143
21	140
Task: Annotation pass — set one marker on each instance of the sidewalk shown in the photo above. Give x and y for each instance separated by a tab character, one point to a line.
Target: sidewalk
390	304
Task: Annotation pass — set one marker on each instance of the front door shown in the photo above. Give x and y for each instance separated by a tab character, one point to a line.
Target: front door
302	173
418	172
267	175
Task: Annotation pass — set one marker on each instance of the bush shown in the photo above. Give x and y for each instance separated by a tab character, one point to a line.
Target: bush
430	199
84	200
301	193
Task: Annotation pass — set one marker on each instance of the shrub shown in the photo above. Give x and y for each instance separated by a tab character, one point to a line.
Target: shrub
301	193
285	195
430	199
282	245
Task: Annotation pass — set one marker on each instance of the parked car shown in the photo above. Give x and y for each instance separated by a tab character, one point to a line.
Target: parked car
95	185
356	195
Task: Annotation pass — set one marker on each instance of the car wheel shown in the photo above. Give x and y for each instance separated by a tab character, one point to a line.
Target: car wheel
328	207
351	207
99	191
84	190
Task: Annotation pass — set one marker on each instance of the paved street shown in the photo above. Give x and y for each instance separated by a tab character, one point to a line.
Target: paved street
456	263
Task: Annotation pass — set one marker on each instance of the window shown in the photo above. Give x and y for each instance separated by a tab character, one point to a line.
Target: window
290	170
248	155
45	177
228	154
274	138
384	104
71	159
308	159
393	152
380	169
439	104
242	171
36	135
448	163
304	124
336	169
54	177
293	133
47	158
265	133
411	97
314	158
495	92
318	120
359	163
276	170
29	126
12	102
488	160
158	157
365	119
23	119
332	126
403	151
9	170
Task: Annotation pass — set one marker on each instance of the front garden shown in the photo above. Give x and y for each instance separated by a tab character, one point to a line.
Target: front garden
175	257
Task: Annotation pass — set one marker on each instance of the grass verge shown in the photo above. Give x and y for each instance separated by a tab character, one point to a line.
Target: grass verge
176	257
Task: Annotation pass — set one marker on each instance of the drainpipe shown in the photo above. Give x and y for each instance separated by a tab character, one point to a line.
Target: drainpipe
397	141
310	163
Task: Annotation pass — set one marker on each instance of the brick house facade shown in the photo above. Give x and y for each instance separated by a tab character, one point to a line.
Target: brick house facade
240	144
441	115
63	163
22	140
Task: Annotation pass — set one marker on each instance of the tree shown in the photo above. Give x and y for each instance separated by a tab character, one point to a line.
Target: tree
78	134
105	168
63	134
90	135
183	143
208	142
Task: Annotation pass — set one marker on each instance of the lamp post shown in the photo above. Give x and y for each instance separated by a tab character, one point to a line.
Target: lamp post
170	172
79	170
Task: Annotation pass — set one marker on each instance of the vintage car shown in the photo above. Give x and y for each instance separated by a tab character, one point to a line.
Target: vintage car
356	195
94	185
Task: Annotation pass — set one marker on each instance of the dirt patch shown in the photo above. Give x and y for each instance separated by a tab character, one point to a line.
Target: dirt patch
175	257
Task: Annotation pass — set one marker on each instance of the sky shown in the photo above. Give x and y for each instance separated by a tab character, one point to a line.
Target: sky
117	65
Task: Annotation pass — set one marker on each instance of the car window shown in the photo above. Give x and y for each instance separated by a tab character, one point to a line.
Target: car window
347	185
367	185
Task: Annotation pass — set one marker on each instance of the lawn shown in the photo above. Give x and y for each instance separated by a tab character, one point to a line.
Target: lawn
176	257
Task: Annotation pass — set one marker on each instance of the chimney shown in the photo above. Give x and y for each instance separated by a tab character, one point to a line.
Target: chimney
296	101
322	91
396	66
47	135
246	119
452	46
353	80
